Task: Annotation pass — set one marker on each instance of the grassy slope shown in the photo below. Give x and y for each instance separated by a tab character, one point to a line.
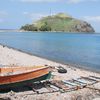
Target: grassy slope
58	23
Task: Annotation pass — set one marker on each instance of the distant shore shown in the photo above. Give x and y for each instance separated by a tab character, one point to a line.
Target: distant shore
10	30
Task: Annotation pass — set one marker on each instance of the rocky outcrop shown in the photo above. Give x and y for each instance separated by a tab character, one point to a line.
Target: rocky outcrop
83	27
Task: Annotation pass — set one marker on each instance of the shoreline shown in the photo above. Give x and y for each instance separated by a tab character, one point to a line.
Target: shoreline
48	61
48	31
69	64
12	57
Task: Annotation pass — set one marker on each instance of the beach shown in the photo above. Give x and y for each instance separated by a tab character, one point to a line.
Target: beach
13	57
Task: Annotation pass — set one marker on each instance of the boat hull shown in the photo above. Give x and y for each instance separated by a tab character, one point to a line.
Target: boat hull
35	75
24	83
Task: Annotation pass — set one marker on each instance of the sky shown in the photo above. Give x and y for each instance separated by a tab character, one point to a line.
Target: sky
15	13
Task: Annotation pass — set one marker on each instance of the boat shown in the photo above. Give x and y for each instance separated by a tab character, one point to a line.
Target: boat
19	76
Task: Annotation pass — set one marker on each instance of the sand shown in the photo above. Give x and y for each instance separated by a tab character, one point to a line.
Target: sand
12	57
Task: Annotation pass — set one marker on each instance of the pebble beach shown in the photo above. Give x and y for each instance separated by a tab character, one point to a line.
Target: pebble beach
13	57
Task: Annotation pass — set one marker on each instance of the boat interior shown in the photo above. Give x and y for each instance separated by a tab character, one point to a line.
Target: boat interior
4	71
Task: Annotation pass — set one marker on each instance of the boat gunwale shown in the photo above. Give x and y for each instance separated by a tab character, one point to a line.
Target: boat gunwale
1	75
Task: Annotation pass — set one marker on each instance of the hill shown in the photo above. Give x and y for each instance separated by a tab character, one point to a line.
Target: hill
60	23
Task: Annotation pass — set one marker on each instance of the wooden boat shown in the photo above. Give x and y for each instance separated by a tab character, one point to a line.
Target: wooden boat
17	76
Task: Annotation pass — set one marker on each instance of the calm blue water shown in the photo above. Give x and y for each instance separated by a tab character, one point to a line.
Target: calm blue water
81	49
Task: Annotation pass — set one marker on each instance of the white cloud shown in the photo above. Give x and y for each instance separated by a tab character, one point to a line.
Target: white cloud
25	12
34	16
78	1
92	18
67	1
30	1
3	14
1	20
74	1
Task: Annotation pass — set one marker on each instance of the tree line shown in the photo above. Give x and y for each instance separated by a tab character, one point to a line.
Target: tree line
32	27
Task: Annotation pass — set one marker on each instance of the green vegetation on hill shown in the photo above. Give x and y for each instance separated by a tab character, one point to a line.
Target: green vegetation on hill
59	22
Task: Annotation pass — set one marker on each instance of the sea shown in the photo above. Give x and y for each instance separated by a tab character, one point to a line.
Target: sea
79	49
